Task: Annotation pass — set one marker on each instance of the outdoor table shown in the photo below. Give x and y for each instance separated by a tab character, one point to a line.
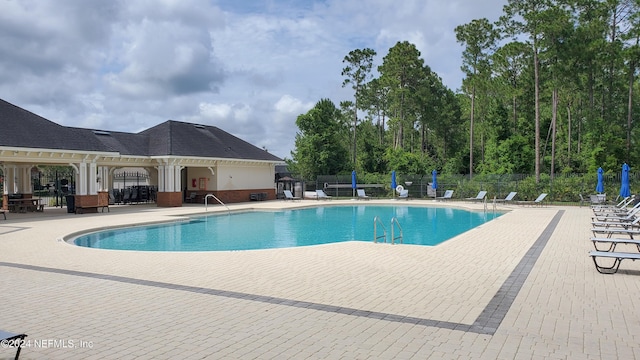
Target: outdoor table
24	205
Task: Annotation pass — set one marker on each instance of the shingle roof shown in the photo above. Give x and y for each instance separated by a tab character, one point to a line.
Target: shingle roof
21	128
187	139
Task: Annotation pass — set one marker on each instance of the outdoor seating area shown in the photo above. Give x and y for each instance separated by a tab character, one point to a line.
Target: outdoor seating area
614	226
19	204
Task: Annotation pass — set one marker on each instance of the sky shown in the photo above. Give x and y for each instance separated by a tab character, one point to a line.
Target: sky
248	67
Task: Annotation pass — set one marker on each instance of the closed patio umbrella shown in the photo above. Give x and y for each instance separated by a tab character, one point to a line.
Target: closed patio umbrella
354	184
393	183
600	186
625	191
434	181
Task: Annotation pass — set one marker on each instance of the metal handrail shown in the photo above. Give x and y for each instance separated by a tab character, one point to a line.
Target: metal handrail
394	220
206	197
376	221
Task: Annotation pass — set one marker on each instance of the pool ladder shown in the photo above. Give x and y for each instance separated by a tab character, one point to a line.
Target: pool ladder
394	224
206	199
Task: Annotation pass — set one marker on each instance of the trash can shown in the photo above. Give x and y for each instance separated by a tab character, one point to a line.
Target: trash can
71	203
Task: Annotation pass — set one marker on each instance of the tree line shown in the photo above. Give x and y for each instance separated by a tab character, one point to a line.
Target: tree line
550	87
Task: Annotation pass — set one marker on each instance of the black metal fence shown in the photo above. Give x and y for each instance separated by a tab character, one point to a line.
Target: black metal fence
562	188
53	186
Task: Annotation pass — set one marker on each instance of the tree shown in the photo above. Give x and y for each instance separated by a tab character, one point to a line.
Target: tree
479	36
400	72
320	143
523	17
357	72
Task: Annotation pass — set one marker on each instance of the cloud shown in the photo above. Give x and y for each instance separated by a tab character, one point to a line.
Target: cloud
164	59
249	67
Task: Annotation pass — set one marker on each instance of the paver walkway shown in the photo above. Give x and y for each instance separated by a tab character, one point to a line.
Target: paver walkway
521	286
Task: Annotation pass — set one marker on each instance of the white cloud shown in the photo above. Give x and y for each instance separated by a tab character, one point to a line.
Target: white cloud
290	105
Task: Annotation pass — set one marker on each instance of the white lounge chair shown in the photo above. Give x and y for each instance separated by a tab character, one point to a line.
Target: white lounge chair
620	206
362	194
624	217
289	196
617	259
617	213
508	198
538	201
320	194
402	192
625	223
610	231
447	195
612	242
481	195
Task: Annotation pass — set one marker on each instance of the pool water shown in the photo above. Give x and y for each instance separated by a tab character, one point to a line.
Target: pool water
290	228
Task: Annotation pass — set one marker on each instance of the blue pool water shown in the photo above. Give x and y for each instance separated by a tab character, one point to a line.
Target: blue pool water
289	228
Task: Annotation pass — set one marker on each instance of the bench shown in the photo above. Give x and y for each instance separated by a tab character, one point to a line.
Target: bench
81	209
258	196
617	259
613	242
12	340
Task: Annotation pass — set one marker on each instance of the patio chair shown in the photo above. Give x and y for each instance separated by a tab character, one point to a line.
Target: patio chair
612	242
508	198
616	230
624	223
191	198
617	259
289	196
619	207
320	194
12	340
402	192
481	195
362	194
538	201
447	195
617	216
4	213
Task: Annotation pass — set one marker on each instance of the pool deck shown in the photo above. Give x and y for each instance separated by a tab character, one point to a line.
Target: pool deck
519	287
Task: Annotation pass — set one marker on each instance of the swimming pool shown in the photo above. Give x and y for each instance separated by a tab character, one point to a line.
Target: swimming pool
290	228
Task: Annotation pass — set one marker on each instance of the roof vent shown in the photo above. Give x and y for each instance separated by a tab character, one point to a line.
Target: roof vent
100	132
199	126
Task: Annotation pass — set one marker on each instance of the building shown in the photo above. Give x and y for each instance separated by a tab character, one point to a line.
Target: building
180	158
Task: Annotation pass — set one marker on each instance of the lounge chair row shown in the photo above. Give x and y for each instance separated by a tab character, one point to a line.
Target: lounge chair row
321	195
448	194
510	198
614	225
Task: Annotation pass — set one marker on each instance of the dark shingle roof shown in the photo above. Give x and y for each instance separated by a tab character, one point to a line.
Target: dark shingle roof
186	139
21	128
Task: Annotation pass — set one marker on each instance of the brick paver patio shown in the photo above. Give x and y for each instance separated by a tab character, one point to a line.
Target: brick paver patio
521	286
